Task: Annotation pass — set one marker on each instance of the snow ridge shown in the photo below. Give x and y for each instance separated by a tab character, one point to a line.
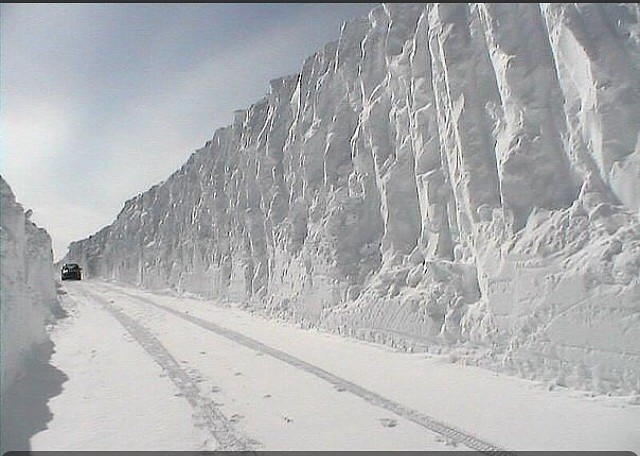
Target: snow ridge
460	177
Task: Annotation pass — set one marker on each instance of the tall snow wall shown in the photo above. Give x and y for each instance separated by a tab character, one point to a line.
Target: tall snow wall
443	176
28	298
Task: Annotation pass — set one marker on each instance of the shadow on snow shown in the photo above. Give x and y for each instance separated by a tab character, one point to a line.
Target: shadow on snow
25	410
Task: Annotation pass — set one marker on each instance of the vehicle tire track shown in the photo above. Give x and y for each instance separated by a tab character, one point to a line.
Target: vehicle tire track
228	438
426	421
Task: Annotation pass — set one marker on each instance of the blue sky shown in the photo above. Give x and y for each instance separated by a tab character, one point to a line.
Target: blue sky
100	101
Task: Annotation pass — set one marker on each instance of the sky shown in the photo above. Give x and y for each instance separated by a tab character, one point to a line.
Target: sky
100	101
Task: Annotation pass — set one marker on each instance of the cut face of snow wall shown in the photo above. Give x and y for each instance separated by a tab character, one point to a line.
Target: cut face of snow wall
28	298
454	175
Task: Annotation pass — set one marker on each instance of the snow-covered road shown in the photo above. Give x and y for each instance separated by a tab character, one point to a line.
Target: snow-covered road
159	372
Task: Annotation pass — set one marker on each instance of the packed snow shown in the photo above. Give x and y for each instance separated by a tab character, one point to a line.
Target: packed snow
458	178
116	397
221	378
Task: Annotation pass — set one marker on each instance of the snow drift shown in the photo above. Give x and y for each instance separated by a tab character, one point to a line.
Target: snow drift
28	296
443	176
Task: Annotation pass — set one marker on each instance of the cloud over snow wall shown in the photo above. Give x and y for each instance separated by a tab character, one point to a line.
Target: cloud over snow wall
452	175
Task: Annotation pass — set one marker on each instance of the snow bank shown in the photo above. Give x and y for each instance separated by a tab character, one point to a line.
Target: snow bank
28	295
455	177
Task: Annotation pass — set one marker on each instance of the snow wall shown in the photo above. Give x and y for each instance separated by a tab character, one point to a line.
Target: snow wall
443	177
28	298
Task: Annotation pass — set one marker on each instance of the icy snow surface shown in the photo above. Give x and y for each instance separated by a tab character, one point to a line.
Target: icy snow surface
447	177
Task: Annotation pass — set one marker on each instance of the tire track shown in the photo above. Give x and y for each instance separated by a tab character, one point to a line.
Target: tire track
458	435
228	438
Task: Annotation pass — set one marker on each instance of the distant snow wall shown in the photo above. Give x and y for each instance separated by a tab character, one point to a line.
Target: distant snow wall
28	299
461	177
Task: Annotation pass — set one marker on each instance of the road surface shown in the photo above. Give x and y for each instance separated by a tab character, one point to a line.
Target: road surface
159	372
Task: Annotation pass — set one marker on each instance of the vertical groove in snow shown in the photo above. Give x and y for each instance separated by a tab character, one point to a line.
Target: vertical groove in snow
406	178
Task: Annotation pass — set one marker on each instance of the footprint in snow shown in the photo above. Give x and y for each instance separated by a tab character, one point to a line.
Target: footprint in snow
388	422
446	440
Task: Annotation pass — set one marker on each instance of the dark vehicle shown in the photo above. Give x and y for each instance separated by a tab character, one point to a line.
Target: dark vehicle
71	271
